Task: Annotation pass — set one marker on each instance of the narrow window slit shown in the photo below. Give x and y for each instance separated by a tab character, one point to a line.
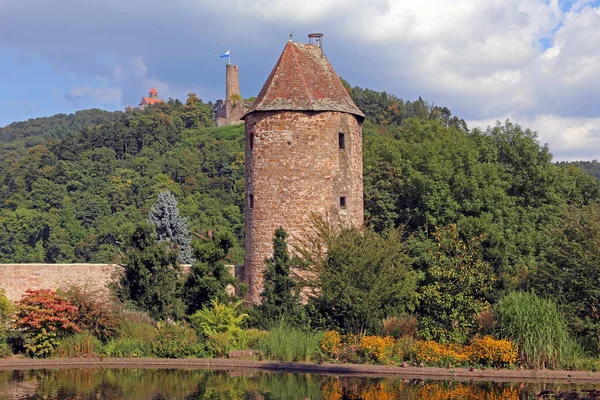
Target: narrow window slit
342	140
343	201
251	201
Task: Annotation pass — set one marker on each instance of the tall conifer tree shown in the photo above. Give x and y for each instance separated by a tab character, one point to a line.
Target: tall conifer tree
170	226
281	294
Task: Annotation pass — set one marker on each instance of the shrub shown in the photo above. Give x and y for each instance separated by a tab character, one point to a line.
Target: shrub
152	278
536	326
175	341
400	326
441	355
94	312
250	338
80	345
127	347
6	309
218	318
16	341
5	350
136	325
485	321
331	344
407	348
489	351
44	316
288	344
378	349
457	283
361	276
220	344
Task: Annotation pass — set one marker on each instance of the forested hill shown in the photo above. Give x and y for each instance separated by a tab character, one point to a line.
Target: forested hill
591	167
73	187
35	131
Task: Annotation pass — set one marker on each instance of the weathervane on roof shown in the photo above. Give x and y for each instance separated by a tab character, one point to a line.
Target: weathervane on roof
291	33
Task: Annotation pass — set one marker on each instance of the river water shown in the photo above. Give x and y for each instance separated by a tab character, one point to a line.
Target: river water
176	384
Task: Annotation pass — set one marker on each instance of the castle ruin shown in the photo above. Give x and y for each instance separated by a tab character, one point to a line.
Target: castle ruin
303	154
231	110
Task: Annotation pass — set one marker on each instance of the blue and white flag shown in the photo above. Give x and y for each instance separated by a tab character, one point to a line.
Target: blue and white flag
226	55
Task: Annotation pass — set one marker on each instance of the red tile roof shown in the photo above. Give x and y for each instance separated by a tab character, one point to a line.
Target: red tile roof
304	80
153	91
148	100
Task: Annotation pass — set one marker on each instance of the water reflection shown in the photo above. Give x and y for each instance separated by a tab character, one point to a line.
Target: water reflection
165	384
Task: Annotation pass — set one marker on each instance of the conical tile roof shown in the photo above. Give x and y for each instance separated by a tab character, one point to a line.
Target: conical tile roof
304	80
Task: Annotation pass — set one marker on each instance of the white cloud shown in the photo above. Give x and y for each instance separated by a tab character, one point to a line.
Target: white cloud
482	59
102	94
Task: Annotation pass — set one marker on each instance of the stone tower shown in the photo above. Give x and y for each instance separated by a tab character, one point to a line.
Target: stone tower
303	155
231	110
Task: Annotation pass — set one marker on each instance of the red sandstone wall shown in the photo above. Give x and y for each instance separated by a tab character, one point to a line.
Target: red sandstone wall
15	279
296	168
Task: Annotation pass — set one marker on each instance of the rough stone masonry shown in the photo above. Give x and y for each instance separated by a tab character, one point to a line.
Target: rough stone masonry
303	155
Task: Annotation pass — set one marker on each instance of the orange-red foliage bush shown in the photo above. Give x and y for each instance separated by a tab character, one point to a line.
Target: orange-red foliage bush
44	315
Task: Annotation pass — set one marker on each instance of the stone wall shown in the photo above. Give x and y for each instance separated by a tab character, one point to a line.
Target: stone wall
15	279
295	167
229	112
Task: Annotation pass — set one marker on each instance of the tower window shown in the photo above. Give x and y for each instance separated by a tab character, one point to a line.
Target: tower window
342	140
251	139
343	201
251	201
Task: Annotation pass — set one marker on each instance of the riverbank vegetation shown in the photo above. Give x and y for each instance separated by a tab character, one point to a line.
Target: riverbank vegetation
471	234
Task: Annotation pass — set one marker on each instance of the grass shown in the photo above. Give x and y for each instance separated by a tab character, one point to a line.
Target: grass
80	345
537	326
289	344
125	347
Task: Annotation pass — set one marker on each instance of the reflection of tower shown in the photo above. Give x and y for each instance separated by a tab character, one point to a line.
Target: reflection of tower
231	110
303	155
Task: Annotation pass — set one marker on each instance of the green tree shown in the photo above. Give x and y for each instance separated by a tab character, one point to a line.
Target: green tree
170	226
360	278
457	283
281	293
570	271
209	275
152	276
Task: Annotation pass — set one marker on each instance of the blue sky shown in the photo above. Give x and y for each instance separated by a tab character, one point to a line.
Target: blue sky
536	62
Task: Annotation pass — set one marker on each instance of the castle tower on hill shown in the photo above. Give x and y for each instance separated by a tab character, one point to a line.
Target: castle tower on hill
303	155
151	99
231	110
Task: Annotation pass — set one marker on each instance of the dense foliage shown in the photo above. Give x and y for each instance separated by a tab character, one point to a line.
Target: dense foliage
456	218
152	276
570	271
361	278
44	316
591	167
281	294
77	195
455	288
